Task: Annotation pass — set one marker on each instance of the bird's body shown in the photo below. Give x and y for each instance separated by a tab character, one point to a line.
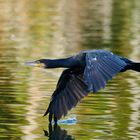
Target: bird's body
88	71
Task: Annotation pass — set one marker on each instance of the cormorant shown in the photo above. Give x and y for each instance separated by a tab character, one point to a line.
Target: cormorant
87	71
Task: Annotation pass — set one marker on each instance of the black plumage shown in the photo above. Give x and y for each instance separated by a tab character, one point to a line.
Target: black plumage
88	71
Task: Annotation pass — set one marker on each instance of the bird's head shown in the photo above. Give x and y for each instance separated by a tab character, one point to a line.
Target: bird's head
41	63
54	63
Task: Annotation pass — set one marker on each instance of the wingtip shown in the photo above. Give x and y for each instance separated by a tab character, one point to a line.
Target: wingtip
48	109
45	113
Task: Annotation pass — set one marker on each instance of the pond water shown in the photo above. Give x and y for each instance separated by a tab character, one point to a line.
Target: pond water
35	29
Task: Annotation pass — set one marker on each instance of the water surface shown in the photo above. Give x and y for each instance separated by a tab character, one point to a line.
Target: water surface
35	29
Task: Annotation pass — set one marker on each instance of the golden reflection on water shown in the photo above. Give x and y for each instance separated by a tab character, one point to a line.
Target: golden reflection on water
33	29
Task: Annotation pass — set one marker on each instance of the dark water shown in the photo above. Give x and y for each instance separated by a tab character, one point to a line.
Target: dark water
35	29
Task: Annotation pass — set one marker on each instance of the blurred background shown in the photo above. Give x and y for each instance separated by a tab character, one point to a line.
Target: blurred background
34	29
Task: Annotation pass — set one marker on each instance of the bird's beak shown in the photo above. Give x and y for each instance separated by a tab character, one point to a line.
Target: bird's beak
35	64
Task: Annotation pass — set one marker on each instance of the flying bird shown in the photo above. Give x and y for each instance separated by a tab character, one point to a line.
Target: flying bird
87	71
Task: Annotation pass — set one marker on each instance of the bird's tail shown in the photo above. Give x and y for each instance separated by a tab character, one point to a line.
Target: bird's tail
135	66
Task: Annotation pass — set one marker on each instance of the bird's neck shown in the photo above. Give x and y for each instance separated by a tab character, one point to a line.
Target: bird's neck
64	63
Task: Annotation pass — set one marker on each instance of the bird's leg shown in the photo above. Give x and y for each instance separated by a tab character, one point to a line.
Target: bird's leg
55	126
55	119
50	118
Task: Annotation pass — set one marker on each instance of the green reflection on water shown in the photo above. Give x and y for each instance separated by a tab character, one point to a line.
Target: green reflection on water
54	29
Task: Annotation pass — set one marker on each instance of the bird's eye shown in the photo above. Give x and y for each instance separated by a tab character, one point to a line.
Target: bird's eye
38	62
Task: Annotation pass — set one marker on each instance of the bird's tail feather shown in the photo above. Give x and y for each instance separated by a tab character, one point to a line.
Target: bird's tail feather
135	67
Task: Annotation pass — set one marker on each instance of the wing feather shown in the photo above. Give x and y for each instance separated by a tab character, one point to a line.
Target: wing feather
64	106
101	66
70	89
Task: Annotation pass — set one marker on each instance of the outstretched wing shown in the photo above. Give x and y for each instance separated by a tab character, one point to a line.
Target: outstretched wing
69	91
100	67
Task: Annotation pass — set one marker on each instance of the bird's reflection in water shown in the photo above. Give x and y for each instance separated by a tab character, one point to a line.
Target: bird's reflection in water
56	133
